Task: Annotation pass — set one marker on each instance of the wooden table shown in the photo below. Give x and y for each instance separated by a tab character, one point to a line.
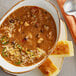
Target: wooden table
69	66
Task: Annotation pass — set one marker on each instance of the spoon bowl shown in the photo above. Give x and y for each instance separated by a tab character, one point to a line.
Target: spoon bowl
70	7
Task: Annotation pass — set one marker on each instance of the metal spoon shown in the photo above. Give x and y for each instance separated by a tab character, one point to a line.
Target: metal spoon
70	7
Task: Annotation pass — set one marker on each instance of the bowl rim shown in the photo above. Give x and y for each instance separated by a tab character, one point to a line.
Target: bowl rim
53	47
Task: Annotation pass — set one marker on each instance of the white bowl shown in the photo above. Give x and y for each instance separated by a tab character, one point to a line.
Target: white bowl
40	3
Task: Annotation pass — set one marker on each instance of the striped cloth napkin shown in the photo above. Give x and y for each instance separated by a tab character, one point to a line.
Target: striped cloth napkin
70	20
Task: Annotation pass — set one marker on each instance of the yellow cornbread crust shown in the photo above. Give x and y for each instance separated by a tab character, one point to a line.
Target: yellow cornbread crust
63	49
48	68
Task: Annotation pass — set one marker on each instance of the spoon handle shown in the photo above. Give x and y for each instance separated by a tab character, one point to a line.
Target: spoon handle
70	20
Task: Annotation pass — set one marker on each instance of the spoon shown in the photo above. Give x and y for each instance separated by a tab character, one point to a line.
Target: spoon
70	7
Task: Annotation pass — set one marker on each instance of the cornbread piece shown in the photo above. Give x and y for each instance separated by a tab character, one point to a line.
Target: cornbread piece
48	68
64	49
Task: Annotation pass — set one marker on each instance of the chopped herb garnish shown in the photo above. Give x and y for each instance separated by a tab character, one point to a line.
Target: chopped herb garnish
27	52
18	63
34	16
4	49
3	52
32	54
19	47
4	40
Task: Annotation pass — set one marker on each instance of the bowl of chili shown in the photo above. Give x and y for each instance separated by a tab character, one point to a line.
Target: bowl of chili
41	17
